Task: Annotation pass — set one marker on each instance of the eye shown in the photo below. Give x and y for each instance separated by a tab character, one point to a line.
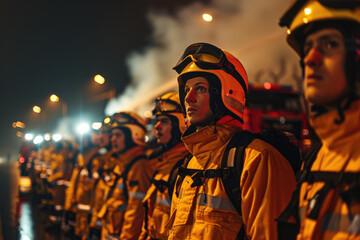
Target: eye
201	89
331	44
186	90
164	121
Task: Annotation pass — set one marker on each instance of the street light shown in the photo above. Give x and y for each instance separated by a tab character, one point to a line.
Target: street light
36	109
99	79
54	98
207	17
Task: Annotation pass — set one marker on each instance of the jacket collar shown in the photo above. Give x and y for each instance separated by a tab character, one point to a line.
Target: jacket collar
204	140
129	155
336	135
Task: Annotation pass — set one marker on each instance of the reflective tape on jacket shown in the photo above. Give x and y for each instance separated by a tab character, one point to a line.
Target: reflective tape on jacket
84	207
335	222
137	195
59	207
163	200
60	182
214	202
112	237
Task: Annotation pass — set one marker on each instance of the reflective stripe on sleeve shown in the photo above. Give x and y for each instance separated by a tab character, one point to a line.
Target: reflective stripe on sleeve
335	222
112	237
163	200
215	202
60	182
120	186
137	195
83	207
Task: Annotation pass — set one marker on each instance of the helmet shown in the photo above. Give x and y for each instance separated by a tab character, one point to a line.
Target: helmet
302	13
306	16
169	105
226	75
133	123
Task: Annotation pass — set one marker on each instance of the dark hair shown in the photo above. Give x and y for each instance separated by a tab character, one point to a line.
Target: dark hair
129	143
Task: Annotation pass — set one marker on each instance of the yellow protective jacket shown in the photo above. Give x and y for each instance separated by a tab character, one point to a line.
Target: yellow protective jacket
205	212
123	218
340	152
60	169
158	200
99	191
79	192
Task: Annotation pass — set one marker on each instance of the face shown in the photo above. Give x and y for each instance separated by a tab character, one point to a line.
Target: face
324	66
104	139
163	129
197	102
117	140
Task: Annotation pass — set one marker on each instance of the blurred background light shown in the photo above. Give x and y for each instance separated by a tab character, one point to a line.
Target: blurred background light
96	125
38	139
56	137
29	136
207	17
82	128
47	136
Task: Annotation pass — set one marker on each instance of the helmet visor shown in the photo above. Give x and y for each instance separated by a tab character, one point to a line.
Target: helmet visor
122	118
166	106
208	57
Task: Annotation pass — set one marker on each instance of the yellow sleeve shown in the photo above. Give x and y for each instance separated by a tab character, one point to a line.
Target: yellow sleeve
267	183
70	191
138	182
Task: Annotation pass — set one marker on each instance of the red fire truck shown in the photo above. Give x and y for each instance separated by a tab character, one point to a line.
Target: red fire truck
279	107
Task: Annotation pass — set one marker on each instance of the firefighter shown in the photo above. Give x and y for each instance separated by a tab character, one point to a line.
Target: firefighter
60	169
170	154
326	36
122	213
81	187
99	184
212	88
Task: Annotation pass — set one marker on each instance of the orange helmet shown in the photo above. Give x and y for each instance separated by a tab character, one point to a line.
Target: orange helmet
133	122
230	79
169	104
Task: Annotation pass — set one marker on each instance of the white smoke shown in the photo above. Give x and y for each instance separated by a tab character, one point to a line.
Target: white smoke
247	29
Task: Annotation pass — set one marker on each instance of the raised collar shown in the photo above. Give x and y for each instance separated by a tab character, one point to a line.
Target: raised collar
336	135
129	155
207	139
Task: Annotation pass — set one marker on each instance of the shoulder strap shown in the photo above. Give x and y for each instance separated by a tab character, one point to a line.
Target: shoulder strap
233	160
287	230
172	177
124	176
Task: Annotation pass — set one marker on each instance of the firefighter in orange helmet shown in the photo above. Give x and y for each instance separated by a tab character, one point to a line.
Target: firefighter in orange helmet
123	213
167	158
212	89
326	36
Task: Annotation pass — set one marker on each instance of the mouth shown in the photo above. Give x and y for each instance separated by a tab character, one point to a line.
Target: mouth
190	110
312	78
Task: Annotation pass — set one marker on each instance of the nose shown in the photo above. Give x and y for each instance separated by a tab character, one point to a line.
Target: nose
190	96
313	57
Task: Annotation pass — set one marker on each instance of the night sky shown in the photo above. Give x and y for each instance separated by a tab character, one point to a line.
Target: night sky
57	47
